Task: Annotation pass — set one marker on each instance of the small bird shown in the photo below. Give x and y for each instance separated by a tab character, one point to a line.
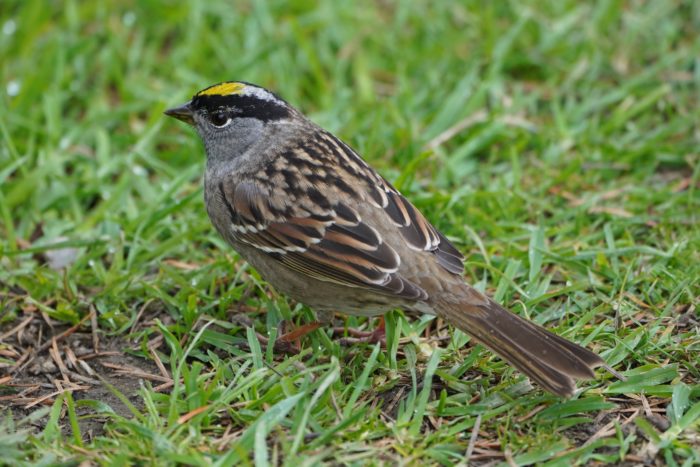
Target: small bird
323	227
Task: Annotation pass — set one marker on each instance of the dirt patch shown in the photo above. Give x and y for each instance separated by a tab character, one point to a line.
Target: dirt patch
40	360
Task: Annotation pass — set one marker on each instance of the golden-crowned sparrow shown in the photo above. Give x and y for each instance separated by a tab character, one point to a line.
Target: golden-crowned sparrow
323	227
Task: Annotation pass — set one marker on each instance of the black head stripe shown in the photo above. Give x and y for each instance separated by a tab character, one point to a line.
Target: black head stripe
244	106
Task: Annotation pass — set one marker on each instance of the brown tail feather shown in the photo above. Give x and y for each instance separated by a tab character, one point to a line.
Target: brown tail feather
552	361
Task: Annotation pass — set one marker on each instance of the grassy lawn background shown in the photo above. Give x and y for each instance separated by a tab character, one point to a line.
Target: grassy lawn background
555	142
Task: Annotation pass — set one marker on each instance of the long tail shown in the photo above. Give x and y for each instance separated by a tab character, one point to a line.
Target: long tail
552	361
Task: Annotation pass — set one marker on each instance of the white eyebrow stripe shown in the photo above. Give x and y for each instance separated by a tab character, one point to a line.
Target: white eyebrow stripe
259	93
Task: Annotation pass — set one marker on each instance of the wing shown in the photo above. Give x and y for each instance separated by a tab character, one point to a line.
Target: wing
328	242
418	233
299	210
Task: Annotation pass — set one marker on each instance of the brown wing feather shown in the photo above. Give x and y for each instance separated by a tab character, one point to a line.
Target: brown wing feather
414	227
419	233
333	245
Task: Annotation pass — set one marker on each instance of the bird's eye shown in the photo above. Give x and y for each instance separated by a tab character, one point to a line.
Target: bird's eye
219	119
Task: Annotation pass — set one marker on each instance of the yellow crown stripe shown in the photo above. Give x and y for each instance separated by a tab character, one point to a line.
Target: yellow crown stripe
223	89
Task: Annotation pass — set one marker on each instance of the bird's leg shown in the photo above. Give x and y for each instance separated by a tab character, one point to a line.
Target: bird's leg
292	338
368	337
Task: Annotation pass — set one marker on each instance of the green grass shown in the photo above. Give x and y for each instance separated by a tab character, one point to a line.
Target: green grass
555	142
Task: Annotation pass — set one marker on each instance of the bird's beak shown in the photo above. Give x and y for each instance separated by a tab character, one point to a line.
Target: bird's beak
184	113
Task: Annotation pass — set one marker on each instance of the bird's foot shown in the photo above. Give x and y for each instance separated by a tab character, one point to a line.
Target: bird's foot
363	337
